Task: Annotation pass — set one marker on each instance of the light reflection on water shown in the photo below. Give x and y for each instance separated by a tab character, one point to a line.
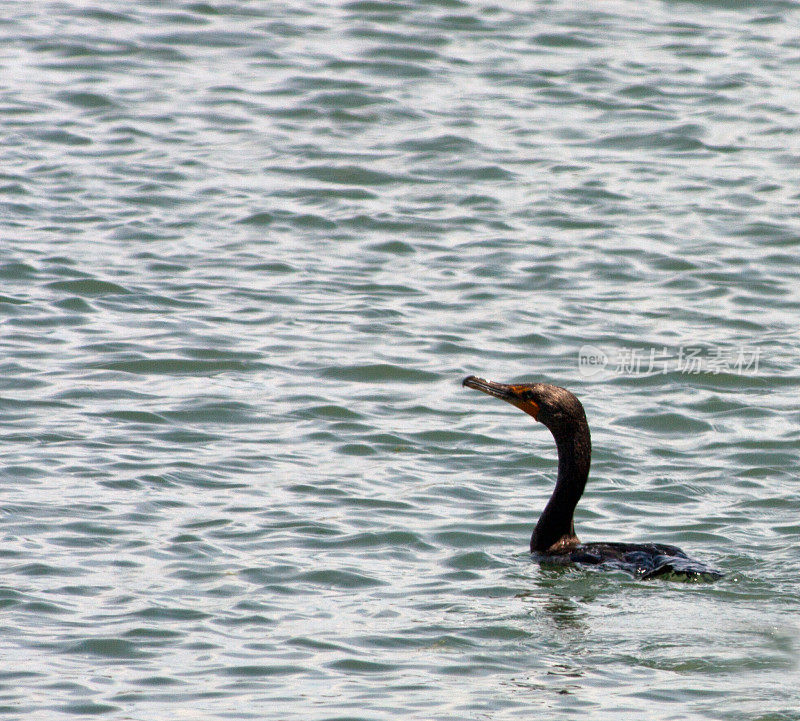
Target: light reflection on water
249	254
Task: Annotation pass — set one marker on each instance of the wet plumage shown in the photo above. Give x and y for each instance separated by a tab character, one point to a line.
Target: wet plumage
554	540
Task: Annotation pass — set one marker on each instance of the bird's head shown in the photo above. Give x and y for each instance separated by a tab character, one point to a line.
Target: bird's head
553	406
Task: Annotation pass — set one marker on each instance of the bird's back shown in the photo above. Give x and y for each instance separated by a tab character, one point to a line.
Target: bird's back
643	560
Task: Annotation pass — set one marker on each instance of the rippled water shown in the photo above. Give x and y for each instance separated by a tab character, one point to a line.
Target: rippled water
250	249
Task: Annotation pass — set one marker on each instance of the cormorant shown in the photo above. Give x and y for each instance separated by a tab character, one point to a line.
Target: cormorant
554	539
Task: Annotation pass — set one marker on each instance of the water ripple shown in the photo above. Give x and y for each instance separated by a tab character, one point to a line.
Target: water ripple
249	252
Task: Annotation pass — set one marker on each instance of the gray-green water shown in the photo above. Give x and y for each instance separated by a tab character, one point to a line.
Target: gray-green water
248	250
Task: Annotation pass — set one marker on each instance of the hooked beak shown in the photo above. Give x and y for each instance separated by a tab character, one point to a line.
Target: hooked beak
509	393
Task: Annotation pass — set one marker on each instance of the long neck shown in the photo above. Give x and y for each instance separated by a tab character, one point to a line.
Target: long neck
555	530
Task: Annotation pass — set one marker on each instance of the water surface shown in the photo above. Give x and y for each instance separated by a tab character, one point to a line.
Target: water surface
249	251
